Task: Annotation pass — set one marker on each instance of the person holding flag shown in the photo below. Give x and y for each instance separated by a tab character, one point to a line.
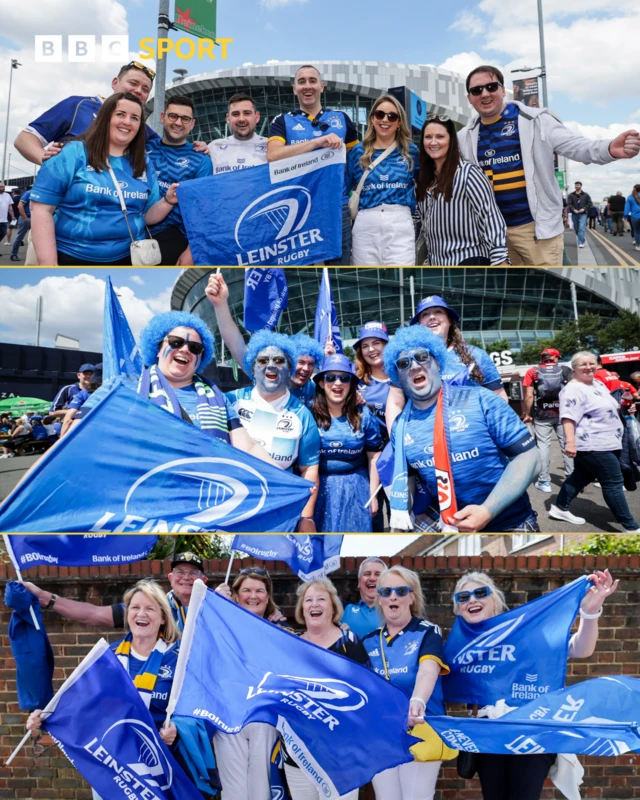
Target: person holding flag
477	598
350	443
469	447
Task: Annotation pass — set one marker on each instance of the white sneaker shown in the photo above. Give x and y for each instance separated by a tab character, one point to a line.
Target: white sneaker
565	516
580	245
543	486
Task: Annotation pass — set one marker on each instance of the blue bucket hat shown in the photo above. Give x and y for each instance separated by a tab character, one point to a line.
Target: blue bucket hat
373	330
335	363
429	302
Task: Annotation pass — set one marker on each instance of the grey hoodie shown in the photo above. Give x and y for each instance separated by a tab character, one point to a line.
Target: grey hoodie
541	135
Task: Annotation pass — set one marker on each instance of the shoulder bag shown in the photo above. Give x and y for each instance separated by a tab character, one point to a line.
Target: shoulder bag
144	252
354	200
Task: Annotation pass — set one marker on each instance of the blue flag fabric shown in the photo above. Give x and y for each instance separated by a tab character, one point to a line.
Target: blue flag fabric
103	727
517	656
120	353
340	721
326	321
136	468
285	212
309	556
77	551
265	297
599	717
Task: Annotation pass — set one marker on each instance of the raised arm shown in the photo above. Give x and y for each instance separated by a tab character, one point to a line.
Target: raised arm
85	613
218	293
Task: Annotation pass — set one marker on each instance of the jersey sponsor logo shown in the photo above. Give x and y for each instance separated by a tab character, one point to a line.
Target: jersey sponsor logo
529	690
242	160
285	424
458	422
515	158
329	154
508	130
489	153
123	184
298	127
335	444
411	647
488	647
384	178
428	449
223	146
336	123
318	133
245	413
182	162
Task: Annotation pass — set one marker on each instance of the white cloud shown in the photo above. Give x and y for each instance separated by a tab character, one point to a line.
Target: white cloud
468	22
136	279
270	5
73	307
463	63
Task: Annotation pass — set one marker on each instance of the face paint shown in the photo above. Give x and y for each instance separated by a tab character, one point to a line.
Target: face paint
271	378
420	382
179	365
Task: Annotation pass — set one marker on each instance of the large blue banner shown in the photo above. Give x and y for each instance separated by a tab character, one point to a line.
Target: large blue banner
516	656
265	297
326	320
600	717
285	212
309	556
132	467
103	727
340	721
120	354
90	550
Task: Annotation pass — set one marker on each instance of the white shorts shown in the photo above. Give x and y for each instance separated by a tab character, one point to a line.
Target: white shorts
413	781
243	761
302	788
383	236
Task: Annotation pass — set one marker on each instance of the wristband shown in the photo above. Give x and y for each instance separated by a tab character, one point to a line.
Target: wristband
52	601
584	615
416	699
164	197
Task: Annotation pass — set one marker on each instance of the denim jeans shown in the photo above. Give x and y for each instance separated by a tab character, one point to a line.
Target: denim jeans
603	467
635	227
23	228
580	226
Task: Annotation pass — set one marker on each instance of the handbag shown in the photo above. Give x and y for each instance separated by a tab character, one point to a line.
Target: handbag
354	200
144	252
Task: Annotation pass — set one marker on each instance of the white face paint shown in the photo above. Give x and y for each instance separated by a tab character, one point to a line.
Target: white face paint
420	382
271	370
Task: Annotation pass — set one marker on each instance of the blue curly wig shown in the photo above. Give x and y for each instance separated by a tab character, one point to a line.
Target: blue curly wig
162	324
409	339
306	346
262	339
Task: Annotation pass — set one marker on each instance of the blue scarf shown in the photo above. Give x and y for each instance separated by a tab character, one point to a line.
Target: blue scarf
145	680
178	611
212	410
401	518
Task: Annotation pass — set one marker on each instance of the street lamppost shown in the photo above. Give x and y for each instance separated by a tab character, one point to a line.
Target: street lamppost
14	65
543	61
542	75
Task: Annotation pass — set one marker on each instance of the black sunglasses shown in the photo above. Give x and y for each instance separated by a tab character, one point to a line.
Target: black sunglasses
331	377
324	126
392	116
147	71
254	571
481	592
279	361
421	357
176	342
491	87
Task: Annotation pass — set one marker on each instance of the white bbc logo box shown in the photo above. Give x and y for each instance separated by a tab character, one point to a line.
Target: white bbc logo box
81	49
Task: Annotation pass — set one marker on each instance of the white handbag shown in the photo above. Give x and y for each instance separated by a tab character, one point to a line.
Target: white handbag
354	200
144	252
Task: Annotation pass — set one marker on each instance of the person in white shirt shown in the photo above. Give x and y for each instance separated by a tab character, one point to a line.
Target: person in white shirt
6	210
244	148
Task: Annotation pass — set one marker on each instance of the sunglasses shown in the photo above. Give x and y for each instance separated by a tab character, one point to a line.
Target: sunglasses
491	87
421	357
253	571
392	116
324	126
148	72
480	593
399	591
279	361
175	117
438	118
331	377
176	342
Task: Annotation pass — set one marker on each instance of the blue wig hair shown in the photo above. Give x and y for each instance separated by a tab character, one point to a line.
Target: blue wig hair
306	346
262	339
162	324
410	338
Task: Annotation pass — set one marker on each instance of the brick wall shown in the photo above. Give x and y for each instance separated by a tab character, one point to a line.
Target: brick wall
523	578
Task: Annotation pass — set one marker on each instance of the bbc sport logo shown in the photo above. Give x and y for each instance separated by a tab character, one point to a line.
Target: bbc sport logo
114	48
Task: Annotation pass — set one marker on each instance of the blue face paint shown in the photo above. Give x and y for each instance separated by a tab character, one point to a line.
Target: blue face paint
271	378
176	370
420	382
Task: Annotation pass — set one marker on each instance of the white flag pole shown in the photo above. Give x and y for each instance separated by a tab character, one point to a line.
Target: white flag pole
370	500
14	561
226	579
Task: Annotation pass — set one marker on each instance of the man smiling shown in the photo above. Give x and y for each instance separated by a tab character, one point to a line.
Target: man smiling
363	617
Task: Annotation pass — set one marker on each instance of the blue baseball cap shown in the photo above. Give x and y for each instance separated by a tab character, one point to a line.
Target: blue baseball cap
335	363
86	368
429	302
373	330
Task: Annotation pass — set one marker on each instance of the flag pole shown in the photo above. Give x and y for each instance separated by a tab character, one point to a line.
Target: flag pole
370	500
11	554
226	580
18	748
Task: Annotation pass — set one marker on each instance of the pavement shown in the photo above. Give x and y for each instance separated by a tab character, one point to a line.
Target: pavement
601	250
589	505
5	253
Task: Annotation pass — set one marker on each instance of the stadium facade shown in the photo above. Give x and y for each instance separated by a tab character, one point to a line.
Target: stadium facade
519	304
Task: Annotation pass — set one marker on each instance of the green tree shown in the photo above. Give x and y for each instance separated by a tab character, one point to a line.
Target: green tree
622	333
474	342
605	545
349	352
498	345
530	353
204	545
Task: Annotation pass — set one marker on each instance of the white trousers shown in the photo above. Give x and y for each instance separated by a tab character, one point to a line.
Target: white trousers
383	237
413	781
243	761
301	787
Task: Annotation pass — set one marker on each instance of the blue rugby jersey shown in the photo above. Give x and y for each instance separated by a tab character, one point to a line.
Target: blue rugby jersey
484	433
500	156
306	394
376	395
343	450
454	365
89	222
392	182
175	165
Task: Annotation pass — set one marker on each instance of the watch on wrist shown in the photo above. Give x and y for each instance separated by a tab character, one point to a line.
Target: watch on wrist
52	601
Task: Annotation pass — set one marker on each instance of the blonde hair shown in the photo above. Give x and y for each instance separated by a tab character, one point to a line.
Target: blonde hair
264	579
153	591
499	603
403	134
324	585
412	579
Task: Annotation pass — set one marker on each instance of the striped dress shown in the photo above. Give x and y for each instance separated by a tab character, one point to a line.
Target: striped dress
470	225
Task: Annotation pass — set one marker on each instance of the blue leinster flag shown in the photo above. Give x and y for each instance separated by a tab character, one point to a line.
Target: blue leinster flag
310	557
235	668
120	354
600	717
265	297
103	727
285	212
132	467
77	551
326	320
516	656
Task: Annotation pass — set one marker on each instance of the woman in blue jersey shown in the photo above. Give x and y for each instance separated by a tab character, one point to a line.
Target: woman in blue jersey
383	232
350	443
461	221
477	598
407	651
77	217
148	653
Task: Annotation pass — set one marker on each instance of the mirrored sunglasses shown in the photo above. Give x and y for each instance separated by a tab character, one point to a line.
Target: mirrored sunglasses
421	357
332	377
480	593
399	591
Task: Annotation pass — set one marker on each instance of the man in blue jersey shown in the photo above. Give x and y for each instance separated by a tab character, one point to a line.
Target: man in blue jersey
175	161
364	617
492	455
515	145
61	401
310	127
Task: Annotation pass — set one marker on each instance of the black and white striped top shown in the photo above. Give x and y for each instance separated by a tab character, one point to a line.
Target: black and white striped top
469	225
